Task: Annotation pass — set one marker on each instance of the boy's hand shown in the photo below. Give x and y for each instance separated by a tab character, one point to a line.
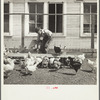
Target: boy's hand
37	50
46	45
41	38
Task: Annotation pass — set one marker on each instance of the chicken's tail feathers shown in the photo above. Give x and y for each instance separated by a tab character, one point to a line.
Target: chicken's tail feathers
29	54
64	47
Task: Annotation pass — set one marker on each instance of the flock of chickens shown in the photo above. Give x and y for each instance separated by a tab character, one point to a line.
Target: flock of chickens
30	63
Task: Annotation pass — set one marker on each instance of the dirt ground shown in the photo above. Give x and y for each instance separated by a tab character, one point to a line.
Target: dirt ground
64	76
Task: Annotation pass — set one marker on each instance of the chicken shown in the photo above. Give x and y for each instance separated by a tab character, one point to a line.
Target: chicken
29	66
51	60
7	60
81	57
22	64
8	68
92	64
45	62
57	63
30	60
29	55
75	63
65	61
32	68
39	59
58	49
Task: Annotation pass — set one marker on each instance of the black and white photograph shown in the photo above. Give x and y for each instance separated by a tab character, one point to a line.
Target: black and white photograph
50	42
50	49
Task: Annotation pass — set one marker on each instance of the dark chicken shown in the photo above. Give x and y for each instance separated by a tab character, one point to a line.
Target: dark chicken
57	49
57	63
74	63
65	61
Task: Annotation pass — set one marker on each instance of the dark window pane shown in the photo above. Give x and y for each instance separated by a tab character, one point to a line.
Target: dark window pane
90	8
59	8
52	23
86	19
32	27
86	28
39	18
59	23
94	8
39	8
95	19
6	26
36	20
52	8
6	8
31	8
32	17
6	18
86	8
40	25
95	29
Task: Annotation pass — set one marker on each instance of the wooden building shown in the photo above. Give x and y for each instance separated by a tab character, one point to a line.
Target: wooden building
70	21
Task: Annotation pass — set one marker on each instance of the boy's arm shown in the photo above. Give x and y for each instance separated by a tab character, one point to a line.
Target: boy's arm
47	43
38	40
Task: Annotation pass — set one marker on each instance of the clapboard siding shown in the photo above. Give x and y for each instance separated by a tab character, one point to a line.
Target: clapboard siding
73	21
72	38
72	32
18	7
73	43
73	7
12	42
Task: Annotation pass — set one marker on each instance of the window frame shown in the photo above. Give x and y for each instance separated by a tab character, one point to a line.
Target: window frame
27	32
55	3
36	16
10	33
82	34
45	19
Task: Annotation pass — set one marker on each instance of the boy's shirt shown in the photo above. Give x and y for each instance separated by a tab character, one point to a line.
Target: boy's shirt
45	32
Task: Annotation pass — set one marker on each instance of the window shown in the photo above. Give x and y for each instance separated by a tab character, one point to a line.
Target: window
55	19
6	17
87	19
35	17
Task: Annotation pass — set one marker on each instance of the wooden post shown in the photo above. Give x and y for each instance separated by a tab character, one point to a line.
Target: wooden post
22	35
92	33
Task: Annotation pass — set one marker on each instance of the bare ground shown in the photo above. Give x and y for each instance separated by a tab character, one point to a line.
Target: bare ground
64	76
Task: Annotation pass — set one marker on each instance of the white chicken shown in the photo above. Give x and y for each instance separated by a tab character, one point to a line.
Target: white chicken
30	60
32	68
39	59
82	57
7	60
92	64
30	64
51	60
45	62
9	66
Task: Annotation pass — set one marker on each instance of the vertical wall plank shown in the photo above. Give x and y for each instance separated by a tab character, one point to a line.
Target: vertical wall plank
92	31
22	38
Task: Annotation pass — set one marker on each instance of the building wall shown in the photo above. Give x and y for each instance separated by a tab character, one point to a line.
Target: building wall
72	38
